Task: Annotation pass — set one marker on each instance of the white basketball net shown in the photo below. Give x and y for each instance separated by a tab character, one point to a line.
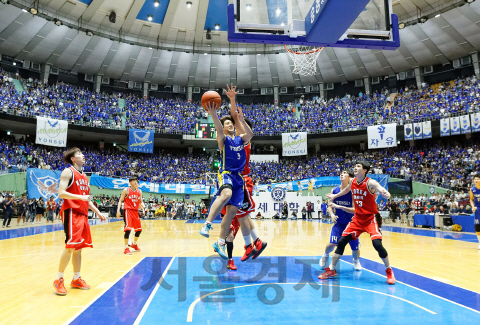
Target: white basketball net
304	58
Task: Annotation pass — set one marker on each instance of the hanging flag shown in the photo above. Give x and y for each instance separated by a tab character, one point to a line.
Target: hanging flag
408	131
475	119
454	125
444	127
465	124
417	131
382	136
51	132
427	129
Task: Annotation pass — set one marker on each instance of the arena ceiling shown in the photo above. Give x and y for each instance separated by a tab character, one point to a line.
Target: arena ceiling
172	49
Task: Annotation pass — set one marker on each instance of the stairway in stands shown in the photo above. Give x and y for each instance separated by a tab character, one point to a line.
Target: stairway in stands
18	85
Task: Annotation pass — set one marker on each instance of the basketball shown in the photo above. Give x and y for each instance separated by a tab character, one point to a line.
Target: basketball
211	96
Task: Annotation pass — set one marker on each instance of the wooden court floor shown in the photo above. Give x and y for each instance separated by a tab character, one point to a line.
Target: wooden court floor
28	264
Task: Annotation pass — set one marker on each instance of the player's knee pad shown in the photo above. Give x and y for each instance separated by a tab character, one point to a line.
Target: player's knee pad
127	234
477	228
377	244
343	241
137	233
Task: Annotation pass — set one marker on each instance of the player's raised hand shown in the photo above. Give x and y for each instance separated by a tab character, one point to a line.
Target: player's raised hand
330	196
240	113
231	91
211	108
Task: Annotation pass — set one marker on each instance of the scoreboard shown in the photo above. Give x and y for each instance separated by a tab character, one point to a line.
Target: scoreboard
205	131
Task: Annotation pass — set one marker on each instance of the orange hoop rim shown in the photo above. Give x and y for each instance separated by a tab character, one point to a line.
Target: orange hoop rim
309	52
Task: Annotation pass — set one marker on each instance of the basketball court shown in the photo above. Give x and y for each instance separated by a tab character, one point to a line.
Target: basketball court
177	279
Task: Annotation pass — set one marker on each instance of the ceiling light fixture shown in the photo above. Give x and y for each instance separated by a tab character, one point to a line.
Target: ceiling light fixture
57	22
33	11
249	6
89	32
189	4
24	10
205	53
401	25
149	17
437	15
423	19
217	26
14	63
156	3
469	1
5	2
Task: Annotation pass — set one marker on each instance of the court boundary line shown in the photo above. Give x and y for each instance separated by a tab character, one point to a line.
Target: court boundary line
194	303
154	291
101	294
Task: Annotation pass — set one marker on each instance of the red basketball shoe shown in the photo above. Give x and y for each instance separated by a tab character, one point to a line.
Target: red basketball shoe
135	247
80	284
249	251
260	246
390	276
127	251
59	287
231	265
328	274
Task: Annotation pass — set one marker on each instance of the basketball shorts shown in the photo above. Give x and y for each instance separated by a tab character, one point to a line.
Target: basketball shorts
361	224
77	230
234	181
248	205
132	220
336	233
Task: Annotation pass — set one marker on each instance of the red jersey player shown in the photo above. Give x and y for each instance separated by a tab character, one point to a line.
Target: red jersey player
133	201
364	220
75	190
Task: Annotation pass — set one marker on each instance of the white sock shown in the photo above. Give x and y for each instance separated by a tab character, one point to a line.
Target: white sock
221	242
76	275
248	240
59	275
253	234
208	222
126	246
326	254
331	267
387	267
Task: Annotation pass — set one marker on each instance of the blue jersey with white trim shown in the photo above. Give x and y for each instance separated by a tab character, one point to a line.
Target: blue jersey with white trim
233	155
476	196
345	201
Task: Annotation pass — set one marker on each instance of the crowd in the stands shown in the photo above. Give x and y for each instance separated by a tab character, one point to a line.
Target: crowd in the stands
445	163
81	106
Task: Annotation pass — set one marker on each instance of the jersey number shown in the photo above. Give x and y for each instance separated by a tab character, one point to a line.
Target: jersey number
359	203
239	157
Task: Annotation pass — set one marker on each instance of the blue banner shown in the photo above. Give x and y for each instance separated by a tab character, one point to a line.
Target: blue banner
42	182
119	184
140	141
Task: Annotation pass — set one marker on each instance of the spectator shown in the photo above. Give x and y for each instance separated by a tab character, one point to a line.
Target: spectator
8	205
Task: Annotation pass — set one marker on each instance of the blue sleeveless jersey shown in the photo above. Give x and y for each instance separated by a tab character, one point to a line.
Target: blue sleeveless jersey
233	155
476	196
346	201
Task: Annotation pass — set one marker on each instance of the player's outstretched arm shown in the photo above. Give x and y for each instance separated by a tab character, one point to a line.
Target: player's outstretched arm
472	198
247	135
212	110
346	209
120	201
347	189
379	188
65	178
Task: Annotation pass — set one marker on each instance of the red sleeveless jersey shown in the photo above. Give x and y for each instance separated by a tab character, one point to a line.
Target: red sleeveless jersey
246	169
132	199
78	185
363	200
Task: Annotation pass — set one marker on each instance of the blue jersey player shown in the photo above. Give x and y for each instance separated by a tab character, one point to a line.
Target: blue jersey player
475	203
342	215
230	180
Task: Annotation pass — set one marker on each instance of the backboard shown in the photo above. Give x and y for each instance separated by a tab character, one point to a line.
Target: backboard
321	23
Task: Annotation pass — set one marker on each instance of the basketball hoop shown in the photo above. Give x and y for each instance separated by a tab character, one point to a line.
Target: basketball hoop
304	58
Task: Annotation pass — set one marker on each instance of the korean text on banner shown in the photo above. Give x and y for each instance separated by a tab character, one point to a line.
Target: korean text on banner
294	144
51	132
408	131
444	127
427	129
454	125
465	124
140	141
382	136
